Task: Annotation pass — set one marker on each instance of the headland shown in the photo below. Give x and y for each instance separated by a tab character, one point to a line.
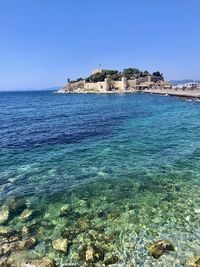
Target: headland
113	81
129	80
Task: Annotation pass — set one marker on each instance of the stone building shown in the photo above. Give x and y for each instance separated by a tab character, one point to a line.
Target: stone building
110	85
124	84
96	71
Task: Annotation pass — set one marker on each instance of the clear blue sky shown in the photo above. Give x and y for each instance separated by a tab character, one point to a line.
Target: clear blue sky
43	42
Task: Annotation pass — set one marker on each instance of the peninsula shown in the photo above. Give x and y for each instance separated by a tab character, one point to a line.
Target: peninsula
128	81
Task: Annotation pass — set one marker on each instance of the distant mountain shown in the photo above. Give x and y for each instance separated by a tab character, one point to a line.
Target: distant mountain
53	88
175	82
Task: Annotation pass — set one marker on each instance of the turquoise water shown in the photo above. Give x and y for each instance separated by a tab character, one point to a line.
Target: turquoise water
126	167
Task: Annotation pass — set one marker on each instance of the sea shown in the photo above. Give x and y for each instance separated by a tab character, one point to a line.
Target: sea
111	173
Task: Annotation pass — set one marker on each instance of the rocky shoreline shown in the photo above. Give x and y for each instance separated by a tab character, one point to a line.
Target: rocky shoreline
183	93
83	91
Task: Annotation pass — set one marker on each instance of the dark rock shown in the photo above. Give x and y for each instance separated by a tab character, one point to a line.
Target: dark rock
91	253
158	248
106	238
16	206
69	234
101	214
111	260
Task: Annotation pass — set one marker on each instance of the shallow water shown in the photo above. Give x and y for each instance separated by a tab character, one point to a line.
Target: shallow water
127	166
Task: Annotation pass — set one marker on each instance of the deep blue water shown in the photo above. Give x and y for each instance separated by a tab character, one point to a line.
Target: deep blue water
133	149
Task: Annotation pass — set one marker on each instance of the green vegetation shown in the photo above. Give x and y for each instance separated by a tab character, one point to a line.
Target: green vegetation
100	76
129	73
133	73
157	73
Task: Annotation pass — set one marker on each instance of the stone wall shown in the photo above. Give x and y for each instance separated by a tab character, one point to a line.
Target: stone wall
142	80
155	78
131	83
147	79
108	85
100	86
115	85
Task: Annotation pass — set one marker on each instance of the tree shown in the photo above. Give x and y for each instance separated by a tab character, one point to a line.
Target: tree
146	73
79	79
116	77
157	73
131	73
97	77
110	72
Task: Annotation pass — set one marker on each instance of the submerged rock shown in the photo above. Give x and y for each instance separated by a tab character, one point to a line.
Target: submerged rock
84	223
64	210
26	214
158	248
60	245
16	206
91	254
4	214
107	238
194	262
111	259
42	262
28	243
25	231
13	239
23	259
9	247
5	231
17	258
69	234
3	263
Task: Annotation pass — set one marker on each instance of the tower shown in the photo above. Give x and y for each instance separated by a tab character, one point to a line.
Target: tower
106	84
124	83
